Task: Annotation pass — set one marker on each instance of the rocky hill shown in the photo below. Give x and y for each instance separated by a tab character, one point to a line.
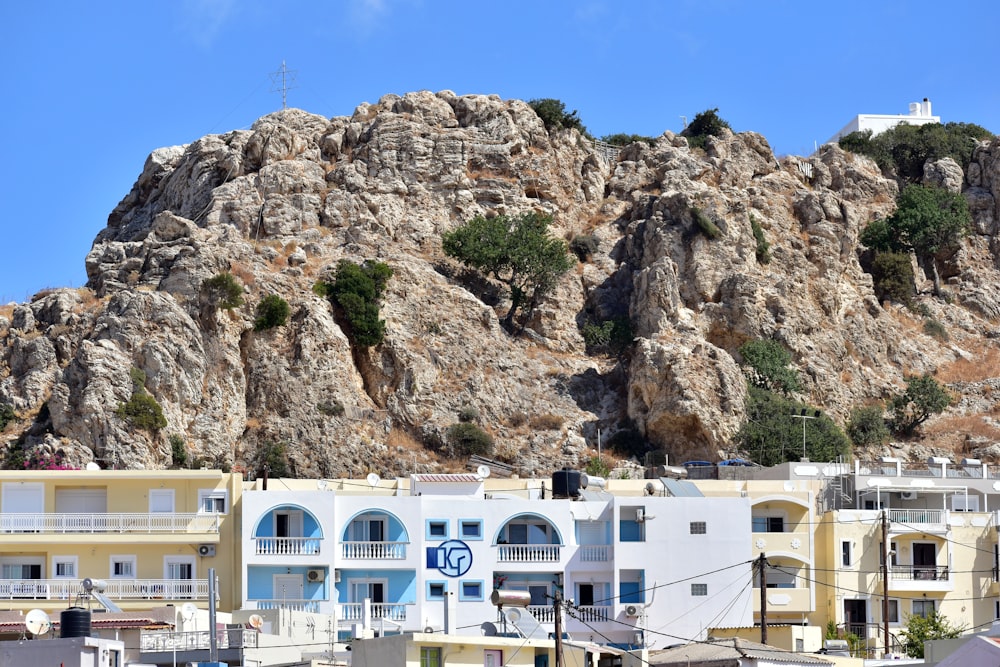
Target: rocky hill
280	204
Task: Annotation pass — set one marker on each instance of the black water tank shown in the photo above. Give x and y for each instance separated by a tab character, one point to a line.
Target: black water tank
566	483
74	622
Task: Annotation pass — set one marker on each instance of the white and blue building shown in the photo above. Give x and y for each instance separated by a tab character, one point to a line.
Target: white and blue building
425	553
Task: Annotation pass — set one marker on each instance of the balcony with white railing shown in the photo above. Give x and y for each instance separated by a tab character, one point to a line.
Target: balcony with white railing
529	553
592	614
595	553
918	520
373	550
118	590
119	522
312	606
287	546
390	611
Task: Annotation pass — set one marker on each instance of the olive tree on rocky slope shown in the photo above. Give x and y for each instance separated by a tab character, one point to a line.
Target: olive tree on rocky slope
517	251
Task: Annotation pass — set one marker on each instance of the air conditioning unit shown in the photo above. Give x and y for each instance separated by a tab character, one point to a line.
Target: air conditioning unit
632	610
908	495
206	550
316	575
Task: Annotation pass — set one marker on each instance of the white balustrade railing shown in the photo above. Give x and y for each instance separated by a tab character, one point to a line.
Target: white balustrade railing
374	550
312	606
910	517
354	611
167	642
115	589
119	522
595	553
528	553
592	613
287	546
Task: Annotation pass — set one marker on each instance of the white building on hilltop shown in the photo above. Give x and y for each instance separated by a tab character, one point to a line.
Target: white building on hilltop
424	553
920	114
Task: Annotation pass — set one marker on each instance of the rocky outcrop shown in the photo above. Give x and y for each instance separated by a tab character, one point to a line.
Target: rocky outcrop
280	204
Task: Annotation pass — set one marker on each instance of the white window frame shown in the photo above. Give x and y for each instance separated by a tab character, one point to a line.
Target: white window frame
122	558
162	493
205	494
914	603
296	523
74	561
352	583
180	560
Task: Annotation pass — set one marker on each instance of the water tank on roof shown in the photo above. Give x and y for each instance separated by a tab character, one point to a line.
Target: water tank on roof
74	622
566	483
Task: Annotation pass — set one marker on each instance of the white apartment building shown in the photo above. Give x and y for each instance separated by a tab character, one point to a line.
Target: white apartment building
639	567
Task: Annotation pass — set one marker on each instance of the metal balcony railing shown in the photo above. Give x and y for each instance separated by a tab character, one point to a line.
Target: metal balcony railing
374	550
919	572
116	589
287	546
528	553
155	522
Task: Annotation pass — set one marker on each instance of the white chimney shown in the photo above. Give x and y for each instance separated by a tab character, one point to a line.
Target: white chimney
927	108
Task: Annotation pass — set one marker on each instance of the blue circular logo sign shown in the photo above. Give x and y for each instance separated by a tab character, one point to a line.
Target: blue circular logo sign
452	558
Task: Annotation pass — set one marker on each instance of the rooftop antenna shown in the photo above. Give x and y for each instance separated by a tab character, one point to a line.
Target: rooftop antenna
282	81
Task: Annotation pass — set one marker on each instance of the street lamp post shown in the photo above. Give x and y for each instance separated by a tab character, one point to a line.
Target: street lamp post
803	416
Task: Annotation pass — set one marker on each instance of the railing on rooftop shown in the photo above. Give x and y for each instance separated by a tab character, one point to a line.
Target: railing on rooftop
930	469
155	641
119	522
116	589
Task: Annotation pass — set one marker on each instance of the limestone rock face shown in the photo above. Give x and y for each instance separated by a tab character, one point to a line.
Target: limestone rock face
279	205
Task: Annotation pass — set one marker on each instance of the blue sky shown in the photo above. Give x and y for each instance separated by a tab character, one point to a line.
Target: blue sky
90	88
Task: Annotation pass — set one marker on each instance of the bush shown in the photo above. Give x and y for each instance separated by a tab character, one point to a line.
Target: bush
766	364
142	412
358	289
866	426
763	247
274	457
597	467
554	116
272	312
892	276
771	435
705	224
923	397
547	422
611	337
467	439
920	629
6	415
584	246
222	291
935	329
178	451
705	124
622	139
468	413
905	148
331	408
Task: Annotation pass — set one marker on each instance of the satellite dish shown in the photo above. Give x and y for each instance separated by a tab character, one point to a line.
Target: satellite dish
489	629
484	472
512	615
188	611
429	630
37	622
92	466
373	479
256	621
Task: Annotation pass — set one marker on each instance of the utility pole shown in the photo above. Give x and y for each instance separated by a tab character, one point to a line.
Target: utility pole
885	584
282	81
557	609
762	569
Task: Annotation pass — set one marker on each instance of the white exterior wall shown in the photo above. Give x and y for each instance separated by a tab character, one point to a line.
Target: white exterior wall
920	114
668	553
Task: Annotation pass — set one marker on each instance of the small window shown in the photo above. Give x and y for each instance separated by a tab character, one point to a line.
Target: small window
437	529
123	567
923	608
64	567
845	553
436	590
768	524
699	528
699	589
471	529
471	590
212	502
430	656
894	611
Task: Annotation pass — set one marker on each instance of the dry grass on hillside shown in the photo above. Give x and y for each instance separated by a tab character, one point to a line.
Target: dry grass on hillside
983	365
955	432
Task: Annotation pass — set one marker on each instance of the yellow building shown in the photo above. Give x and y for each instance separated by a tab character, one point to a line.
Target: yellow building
151	536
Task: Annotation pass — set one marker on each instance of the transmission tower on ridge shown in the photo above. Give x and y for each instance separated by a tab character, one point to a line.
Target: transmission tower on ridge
282	81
